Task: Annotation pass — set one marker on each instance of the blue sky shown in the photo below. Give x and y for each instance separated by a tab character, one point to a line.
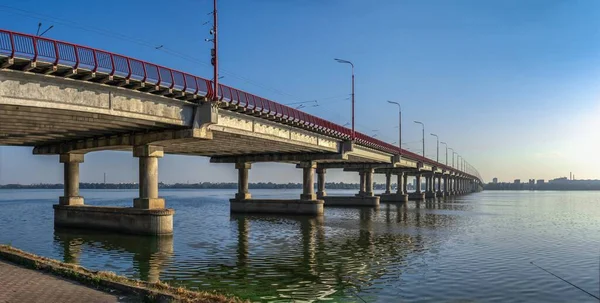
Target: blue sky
511	85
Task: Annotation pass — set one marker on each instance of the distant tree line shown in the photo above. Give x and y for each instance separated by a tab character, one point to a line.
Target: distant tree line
201	185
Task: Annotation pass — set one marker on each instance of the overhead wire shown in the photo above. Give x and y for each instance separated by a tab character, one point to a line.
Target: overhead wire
140	42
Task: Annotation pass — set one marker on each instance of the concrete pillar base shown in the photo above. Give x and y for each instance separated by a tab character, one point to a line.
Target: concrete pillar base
243	196
393	198
447	194
308	197
273	206
70	200
440	194
320	195
416	196
149	203
120	219
371	201
430	195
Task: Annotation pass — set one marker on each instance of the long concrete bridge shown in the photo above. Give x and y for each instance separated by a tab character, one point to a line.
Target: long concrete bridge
68	100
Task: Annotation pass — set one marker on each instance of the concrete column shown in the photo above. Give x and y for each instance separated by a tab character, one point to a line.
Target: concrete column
361	191
71	179
388	183
243	192
308	180
426	183
321	183
148	156
439	184
369	182
431	183
405	183
446	189
418	189
400	186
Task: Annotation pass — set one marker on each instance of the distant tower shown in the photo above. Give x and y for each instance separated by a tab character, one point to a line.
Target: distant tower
104	178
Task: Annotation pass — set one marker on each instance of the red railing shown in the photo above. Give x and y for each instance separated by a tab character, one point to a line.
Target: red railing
59	54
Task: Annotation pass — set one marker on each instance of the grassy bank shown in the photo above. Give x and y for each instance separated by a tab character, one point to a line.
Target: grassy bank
149	292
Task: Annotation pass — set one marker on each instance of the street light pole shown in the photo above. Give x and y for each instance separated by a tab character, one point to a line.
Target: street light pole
458	161
446	152
215	53
351	64
423	125
452	157
399	125
437	157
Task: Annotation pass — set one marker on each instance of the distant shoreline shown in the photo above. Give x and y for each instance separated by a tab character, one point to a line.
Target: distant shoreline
203	185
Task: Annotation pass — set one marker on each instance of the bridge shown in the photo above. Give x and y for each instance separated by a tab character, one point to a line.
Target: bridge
69	100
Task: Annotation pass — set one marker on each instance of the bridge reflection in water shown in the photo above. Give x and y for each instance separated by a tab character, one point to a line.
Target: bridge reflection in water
350	251
150	255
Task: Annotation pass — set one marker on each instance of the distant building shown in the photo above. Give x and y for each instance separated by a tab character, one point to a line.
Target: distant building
495	180
517	181
540	182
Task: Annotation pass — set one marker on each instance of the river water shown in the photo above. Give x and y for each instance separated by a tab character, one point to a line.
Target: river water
470	248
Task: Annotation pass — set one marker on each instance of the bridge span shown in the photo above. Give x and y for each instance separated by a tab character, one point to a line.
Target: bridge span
68	100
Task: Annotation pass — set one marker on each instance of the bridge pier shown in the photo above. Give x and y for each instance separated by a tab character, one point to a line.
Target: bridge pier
306	205
365	196
321	192
447	191
148	177
439	192
148	216
400	195
388	183
243	192
429	183
418	195
71	179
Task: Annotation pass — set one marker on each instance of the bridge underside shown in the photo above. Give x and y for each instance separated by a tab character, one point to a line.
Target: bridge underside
70	118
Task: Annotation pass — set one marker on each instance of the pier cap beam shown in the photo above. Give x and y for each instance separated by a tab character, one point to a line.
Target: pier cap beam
290	158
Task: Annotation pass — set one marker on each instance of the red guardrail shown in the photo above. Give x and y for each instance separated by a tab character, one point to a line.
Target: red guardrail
57	54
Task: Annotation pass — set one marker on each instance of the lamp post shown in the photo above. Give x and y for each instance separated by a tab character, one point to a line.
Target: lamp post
422	125
215	53
399	126
351	64
458	161
452	157
446	152
437	157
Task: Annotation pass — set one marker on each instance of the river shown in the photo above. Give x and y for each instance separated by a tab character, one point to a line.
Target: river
476	247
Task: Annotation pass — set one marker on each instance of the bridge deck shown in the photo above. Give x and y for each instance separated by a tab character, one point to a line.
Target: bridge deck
116	95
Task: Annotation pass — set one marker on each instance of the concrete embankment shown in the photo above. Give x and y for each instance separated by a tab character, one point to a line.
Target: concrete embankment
108	282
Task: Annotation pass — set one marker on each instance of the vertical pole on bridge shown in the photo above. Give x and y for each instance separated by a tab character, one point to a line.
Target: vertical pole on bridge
215	52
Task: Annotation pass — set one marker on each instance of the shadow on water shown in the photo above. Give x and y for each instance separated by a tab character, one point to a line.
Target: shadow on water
150	255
